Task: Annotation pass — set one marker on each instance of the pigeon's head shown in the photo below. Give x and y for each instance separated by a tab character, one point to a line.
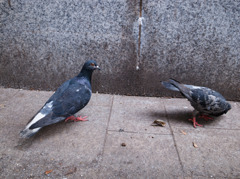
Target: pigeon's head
90	65
228	107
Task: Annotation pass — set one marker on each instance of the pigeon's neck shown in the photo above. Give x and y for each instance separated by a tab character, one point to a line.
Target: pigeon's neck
86	73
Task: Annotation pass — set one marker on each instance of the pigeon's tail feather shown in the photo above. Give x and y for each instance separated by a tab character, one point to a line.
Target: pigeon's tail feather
172	85
182	88
27	133
169	86
174	82
177	86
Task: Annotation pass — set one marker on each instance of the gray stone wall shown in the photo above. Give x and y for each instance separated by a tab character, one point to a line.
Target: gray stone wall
137	43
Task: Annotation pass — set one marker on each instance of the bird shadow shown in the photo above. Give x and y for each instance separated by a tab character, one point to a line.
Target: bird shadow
179	116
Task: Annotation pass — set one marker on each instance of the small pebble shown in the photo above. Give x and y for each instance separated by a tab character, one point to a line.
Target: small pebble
123	144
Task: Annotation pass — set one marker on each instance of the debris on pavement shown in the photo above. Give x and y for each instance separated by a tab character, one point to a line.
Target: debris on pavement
121	130
158	123
48	171
183	132
71	171
2	106
195	145
123	145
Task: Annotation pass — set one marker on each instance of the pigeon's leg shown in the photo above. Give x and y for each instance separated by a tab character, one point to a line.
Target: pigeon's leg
205	117
195	122
195	113
73	118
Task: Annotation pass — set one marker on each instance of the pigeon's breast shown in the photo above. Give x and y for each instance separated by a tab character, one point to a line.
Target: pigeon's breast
82	96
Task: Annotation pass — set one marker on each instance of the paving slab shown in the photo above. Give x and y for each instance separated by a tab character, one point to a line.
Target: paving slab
144	156
216	154
136	114
6	93
21	106
68	149
178	112
95	149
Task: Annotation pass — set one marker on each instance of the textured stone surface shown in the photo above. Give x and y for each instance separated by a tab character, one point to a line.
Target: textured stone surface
78	155
217	154
144	156
147	111
93	149
196	42
44	43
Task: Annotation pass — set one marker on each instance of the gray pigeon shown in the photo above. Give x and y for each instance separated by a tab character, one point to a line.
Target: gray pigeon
70	97
206	102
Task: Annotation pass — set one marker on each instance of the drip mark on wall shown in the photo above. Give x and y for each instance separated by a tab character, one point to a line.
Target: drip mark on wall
140	23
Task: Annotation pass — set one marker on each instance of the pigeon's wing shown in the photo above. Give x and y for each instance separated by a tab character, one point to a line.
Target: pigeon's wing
74	98
194	94
203	99
44	114
209	102
60	90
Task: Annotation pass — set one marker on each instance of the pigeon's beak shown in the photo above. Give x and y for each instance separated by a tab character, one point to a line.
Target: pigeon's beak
97	67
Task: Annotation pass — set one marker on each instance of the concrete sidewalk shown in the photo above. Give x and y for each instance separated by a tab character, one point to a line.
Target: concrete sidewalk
94	149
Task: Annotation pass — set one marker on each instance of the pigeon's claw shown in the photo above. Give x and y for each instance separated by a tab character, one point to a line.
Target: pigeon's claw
73	118
70	118
195	122
81	118
205	117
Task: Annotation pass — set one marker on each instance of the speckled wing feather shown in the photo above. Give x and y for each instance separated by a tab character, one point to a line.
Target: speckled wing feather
209	102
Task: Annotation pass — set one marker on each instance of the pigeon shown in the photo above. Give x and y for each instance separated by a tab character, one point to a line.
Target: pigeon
205	101
72	96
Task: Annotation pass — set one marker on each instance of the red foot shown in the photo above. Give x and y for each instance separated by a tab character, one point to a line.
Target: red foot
195	122
73	118
205	117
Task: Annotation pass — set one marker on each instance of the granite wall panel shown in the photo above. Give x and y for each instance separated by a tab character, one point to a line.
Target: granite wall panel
137	43
195	42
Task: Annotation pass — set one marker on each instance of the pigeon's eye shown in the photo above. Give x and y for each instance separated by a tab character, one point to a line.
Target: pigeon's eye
92	64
